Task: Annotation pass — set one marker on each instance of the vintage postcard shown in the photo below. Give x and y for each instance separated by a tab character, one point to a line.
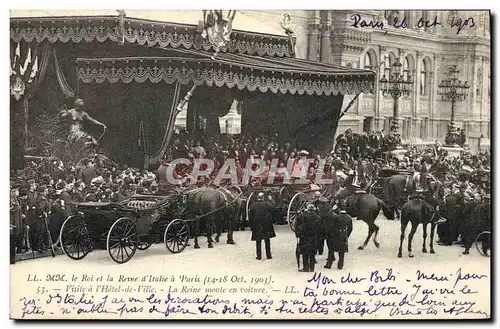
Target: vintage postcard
250	164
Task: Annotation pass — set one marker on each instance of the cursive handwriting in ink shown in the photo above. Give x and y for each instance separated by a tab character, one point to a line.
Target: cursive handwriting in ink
382	291
460	24
423	23
30	307
351	279
283	308
432	277
377	277
467	276
319	278
463	307
400	24
358	21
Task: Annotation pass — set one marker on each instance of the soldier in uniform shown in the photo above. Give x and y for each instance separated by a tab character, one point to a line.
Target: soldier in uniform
324	207
261	224
338	228
306	233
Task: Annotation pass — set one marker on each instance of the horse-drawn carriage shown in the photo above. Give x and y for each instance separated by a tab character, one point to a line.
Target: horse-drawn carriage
124	227
289	199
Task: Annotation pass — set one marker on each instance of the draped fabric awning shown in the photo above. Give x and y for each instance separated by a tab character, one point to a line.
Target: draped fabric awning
141	32
284	75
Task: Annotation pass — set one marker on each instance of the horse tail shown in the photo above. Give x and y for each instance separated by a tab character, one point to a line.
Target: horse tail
388	213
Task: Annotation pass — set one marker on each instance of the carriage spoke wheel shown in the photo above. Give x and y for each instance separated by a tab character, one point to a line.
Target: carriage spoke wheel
483	237
75	238
176	236
295	207
123	240
144	244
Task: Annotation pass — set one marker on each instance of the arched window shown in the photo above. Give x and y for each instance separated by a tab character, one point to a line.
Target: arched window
368	61
406	68
423	77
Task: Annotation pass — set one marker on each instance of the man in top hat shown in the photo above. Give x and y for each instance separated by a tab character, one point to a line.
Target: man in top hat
39	231
338	228
305	231
261	224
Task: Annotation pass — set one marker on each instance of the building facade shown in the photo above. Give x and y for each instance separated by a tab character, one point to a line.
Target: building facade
425	48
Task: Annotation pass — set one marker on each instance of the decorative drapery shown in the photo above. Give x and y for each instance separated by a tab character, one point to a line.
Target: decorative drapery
136	31
27	71
203	72
168	127
61	79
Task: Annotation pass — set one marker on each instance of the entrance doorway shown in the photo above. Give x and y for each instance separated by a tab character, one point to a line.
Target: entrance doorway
367	124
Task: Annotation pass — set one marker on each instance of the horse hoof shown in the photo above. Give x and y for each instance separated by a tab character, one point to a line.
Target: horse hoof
424	251
465	253
360	248
432	251
196	247
216	239
231	242
377	244
400	256
210	246
410	255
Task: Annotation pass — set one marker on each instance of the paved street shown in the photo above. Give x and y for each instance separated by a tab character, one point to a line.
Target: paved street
283	247
232	272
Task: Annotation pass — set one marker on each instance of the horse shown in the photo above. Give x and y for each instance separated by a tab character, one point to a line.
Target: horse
211	206
419	209
231	213
366	207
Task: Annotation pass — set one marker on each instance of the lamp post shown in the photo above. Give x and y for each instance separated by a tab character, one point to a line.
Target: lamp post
454	90
396	86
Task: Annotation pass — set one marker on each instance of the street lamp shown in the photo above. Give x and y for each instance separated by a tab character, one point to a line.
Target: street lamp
396	86
453	90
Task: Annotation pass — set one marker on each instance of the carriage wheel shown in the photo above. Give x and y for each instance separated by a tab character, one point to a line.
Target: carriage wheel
284	195
122	240
75	238
144	245
247	206
480	240
296	206
176	236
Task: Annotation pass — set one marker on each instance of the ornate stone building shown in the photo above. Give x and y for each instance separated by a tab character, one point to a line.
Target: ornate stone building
426	53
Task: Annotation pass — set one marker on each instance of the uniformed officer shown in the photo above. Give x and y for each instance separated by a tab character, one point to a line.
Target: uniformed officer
324	207
261	223
338	228
307	240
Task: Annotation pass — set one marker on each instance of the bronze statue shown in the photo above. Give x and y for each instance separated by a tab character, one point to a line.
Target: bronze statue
77	116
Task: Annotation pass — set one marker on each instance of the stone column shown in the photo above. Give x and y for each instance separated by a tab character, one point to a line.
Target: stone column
326	48
313	34
434	81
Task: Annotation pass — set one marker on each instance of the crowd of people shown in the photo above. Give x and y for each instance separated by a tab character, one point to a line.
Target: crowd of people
43	192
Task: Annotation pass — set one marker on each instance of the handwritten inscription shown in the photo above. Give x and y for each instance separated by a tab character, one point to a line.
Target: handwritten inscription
378	293
458	24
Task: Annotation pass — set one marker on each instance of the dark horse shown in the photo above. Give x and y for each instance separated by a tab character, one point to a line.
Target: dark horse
419	209
231	214
211	205
366	207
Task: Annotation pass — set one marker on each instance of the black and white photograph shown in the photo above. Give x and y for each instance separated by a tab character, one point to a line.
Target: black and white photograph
250	164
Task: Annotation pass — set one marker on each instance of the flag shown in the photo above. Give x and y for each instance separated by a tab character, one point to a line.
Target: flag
27	61
34	70
17	54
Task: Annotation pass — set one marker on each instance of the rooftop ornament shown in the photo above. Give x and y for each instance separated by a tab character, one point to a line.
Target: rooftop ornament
217	28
